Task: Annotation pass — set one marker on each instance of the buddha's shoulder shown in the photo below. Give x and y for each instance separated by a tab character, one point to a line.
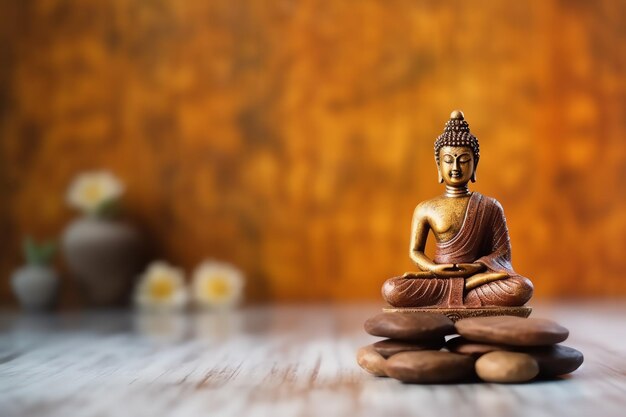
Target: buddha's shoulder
490	201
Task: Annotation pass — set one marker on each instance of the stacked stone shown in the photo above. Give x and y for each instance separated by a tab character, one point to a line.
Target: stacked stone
502	349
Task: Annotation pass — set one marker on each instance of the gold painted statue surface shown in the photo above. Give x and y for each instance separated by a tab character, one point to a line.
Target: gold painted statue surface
472	263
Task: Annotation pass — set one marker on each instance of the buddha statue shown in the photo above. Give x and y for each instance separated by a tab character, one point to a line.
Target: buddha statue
471	267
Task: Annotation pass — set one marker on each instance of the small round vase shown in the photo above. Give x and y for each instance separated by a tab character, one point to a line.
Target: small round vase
104	256
36	287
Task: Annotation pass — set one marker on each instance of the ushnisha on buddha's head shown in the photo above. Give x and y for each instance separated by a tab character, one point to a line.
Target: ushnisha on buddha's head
456	153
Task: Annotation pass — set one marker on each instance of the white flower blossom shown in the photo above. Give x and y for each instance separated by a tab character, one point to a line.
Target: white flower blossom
90	190
161	287
217	285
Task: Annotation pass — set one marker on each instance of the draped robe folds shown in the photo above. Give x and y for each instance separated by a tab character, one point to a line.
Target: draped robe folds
484	239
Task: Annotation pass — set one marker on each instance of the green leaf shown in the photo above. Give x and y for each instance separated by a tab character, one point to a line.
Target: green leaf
39	254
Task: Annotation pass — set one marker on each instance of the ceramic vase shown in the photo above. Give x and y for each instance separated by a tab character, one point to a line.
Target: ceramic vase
36	287
104	256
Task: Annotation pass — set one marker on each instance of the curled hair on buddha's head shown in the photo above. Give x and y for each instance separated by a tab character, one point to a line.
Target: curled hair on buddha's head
457	133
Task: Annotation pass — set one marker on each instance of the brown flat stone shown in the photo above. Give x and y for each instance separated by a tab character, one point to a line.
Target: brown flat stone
430	367
371	361
506	367
410	326
510	330
556	360
456	314
390	347
476	349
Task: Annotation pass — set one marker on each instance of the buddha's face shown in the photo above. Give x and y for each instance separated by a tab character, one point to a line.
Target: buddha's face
456	165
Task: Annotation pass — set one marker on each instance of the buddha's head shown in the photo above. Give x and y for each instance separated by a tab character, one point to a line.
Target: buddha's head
457	152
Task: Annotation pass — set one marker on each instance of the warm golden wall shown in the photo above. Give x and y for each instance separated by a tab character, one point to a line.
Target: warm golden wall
294	138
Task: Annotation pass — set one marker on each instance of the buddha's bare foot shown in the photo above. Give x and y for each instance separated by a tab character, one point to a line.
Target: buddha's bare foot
415	275
483	278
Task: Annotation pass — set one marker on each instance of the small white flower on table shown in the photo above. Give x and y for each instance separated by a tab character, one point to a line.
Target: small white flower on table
161	287
217	285
90	191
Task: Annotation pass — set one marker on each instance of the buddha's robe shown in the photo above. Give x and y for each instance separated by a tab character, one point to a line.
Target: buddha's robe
484	239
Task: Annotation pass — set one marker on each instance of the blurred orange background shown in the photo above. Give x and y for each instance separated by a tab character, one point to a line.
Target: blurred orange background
294	138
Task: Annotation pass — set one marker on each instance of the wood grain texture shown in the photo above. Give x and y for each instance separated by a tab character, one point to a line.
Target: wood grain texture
281	361
294	138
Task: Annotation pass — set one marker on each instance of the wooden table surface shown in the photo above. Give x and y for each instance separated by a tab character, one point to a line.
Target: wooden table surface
274	361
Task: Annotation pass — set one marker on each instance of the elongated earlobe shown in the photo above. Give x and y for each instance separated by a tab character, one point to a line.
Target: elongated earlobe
439	175
473	178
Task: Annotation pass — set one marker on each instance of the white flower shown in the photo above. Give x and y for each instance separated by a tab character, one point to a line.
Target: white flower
161	287
90	190
217	285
